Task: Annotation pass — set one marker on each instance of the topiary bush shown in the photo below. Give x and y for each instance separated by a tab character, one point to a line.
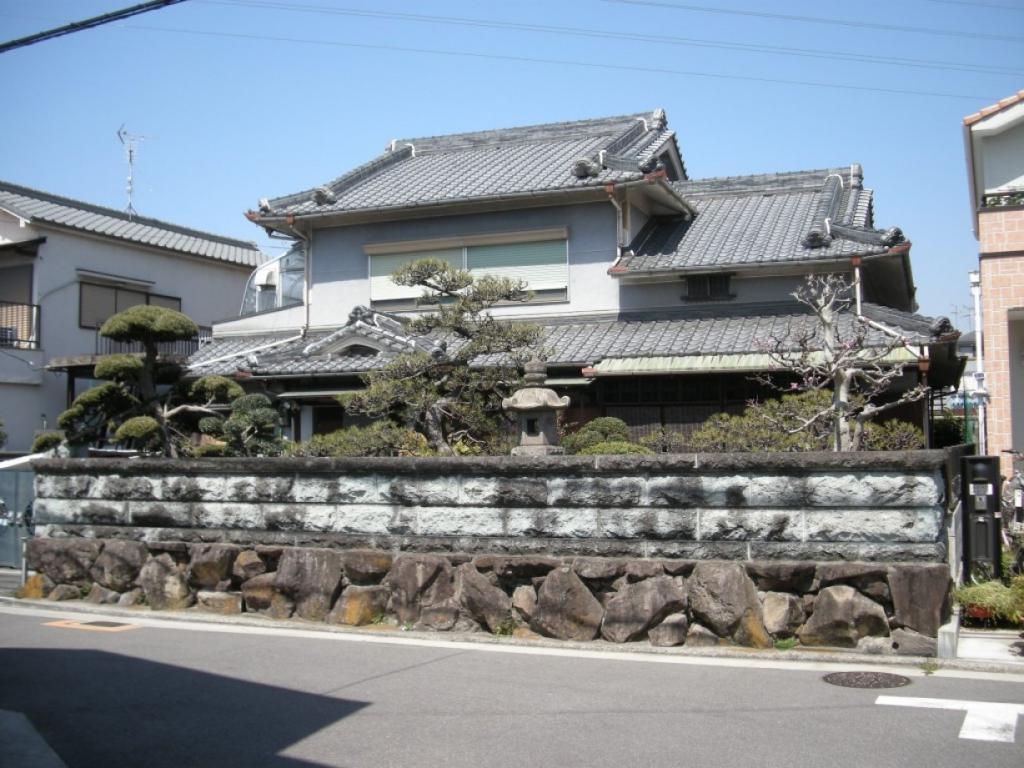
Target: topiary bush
47	441
139	432
614	447
606	429
378	439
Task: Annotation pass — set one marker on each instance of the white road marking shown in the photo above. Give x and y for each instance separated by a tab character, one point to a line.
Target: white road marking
983	721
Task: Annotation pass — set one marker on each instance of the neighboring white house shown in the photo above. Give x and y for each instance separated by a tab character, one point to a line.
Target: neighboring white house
66	266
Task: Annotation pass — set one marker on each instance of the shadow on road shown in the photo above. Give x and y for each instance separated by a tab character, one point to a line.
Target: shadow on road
104	709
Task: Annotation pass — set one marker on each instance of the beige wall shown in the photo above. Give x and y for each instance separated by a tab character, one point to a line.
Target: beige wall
1002	289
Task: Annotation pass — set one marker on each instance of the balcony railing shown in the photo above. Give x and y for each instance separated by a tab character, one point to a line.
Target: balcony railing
19	325
105	346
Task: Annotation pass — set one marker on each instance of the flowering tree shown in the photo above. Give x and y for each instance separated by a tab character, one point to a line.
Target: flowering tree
839	357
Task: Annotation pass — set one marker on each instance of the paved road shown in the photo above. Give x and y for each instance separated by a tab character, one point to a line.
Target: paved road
197	695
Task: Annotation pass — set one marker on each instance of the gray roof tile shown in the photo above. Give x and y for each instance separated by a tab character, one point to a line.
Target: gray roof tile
486	164
760	219
46	208
581	342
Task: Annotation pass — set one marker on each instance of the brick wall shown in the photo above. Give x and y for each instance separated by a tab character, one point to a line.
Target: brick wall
1002	289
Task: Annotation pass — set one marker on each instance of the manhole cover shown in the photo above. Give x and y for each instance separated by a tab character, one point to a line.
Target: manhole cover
866	680
103	624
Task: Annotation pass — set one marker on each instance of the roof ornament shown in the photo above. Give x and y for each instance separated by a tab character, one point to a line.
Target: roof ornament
324	196
856	176
585	167
264	205
659	121
892	236
652	164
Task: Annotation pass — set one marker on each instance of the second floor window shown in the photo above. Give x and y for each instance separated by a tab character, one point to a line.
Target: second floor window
707	288
542	264
97	302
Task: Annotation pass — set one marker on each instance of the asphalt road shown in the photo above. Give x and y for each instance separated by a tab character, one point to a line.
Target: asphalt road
188	695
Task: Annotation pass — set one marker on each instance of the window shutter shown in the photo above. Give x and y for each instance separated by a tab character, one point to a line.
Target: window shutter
541	265
383	265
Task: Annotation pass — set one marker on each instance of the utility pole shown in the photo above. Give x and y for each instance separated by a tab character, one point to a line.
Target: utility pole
980	393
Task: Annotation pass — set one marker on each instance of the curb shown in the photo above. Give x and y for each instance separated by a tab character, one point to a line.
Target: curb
829	656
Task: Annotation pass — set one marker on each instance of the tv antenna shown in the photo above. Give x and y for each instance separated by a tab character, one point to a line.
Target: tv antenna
130	142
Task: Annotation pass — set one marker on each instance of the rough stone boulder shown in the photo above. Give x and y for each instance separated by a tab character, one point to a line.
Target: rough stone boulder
639	606
511	567
131	597
524	600
165	584
260	596
360	605
783	613
421	586
310	578
118	565
486	603
102	596
224	603
869	578
908	643
638	570
723	598
671	631
366	566
842	616
248	565
565	608
64	592
63	561
211	564
699	636
920	596
599	568
782	577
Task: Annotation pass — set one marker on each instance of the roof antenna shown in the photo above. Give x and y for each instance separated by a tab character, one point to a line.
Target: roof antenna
130	140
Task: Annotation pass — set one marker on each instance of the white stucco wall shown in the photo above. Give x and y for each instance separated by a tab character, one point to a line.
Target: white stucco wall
1003	160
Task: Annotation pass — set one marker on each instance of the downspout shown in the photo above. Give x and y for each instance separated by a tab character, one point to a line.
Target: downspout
307	252
619	229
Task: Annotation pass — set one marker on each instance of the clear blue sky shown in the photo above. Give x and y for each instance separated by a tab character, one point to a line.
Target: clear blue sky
250	98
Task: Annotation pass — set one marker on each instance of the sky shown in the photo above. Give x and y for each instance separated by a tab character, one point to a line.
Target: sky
243	99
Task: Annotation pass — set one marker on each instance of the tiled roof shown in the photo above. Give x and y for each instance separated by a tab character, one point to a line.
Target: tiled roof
577	342
999	106
45	208
488	164
771	218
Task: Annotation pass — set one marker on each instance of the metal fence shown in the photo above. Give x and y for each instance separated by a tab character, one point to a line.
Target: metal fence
19	325
17	492
105	346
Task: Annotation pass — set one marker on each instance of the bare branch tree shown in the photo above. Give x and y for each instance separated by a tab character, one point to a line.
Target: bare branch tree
841	357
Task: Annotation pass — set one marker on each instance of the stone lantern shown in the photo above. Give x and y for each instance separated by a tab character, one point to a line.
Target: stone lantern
537	409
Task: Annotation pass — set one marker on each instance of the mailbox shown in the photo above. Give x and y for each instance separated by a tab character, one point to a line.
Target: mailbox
982	517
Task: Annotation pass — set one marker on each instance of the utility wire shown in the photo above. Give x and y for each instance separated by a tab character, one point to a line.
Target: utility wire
819	20
996	6
560	62
639	37
78	26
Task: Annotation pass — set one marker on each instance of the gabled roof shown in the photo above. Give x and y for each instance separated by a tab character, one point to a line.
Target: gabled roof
572	342
44	208
488	165
999	106
779	218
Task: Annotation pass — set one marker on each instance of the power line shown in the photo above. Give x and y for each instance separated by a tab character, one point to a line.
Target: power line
638	37
819	20
561	62
78	26
996	6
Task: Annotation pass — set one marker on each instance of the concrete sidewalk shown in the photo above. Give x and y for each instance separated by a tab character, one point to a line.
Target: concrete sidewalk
1000	646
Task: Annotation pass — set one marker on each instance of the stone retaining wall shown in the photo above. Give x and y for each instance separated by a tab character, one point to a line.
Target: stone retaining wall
874	607
884	507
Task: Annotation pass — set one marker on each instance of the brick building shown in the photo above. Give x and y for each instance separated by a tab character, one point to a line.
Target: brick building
994	140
